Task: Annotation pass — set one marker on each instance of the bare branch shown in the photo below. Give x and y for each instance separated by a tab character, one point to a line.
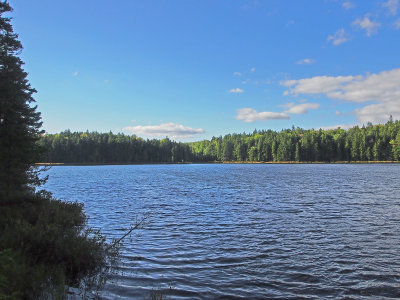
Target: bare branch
134	227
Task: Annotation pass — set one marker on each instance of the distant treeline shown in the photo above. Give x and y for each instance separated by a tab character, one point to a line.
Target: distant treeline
94	147
367	143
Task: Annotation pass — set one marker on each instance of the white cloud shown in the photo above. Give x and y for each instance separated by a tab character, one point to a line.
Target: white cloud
237	74
237	90
383	89
106	81
316	85
366	24
75	73
252	70
379	113
305	61
302	108
392	6
172	130
250	115
339	37
348	5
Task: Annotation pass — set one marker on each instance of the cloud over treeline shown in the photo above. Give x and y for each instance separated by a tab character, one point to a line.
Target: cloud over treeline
380	91
173	130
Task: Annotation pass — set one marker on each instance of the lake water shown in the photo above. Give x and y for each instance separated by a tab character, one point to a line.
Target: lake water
248	231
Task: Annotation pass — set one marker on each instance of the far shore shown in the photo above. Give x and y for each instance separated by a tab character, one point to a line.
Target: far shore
220	162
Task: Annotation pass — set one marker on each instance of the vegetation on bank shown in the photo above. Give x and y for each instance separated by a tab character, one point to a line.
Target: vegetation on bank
46	248
366	143
45	245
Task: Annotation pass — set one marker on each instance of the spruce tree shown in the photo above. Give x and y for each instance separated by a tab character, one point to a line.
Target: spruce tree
19	121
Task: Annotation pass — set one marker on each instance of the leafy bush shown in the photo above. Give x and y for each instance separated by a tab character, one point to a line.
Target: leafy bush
45	247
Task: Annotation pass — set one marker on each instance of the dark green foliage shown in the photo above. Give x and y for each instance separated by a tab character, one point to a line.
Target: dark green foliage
19	122
45	247
93	147
371	143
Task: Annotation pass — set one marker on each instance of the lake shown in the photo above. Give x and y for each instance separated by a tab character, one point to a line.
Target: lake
251	231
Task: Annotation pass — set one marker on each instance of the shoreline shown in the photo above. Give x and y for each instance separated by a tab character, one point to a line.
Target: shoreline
221	162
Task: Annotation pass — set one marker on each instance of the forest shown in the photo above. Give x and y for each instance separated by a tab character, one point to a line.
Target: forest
367	143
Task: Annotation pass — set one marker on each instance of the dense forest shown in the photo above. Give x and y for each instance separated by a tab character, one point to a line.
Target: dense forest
366	143
94	147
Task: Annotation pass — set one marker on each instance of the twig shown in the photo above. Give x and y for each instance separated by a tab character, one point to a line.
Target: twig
136	226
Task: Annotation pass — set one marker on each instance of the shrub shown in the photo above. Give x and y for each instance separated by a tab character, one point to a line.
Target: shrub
46	248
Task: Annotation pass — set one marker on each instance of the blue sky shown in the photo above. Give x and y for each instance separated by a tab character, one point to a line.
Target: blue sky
191	70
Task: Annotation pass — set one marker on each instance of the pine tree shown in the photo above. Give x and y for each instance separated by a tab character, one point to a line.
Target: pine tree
19	121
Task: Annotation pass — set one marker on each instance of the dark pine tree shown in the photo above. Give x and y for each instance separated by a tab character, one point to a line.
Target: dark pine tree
19	121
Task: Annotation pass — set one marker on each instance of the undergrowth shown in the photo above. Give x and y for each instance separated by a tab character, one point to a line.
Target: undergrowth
46	249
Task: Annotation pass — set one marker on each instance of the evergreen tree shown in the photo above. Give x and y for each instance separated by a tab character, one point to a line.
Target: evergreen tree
45	246
19	121
297	152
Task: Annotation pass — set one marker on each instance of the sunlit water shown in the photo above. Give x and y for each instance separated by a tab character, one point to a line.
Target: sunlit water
246	231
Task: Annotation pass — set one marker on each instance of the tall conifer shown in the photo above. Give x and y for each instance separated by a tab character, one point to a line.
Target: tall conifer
19	121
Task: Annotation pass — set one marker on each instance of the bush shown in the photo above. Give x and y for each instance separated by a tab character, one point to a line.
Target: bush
46	248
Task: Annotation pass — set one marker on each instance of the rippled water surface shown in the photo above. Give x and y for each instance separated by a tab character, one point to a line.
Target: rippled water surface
246	231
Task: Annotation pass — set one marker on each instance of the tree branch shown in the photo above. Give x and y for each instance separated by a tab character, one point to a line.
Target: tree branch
136	226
